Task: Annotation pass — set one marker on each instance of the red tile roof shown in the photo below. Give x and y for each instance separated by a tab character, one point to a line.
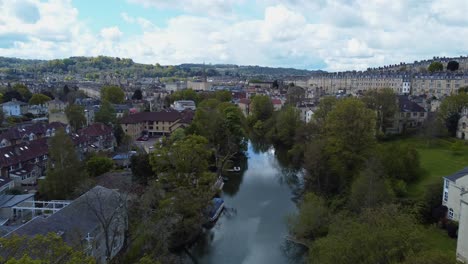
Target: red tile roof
95	130
276	101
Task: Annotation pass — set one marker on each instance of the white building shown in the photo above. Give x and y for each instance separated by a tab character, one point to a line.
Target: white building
454	186
182	105
462	244
14	108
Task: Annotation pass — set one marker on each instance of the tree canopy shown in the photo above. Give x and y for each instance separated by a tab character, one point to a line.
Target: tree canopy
435	66
39	99
75	116
113	94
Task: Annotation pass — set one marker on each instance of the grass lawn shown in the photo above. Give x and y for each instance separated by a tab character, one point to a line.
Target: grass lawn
438	161
438	239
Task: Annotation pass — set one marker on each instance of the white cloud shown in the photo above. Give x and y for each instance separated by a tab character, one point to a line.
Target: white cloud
111	33
328	34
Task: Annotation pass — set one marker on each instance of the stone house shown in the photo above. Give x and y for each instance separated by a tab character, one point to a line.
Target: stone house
454	186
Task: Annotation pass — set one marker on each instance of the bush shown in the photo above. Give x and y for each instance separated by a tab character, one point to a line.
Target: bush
99	165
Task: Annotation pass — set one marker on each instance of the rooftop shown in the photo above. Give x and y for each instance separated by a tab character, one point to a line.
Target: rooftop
457	175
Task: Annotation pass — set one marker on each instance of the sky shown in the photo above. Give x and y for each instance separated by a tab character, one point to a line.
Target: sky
331	35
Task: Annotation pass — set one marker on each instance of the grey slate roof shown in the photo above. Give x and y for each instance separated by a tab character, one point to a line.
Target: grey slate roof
75	220
457	175
12	200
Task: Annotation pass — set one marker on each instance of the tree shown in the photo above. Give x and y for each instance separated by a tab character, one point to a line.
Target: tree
64	169
262	107
312	220
39	99
450	110
286	123
223	96
295	95
137	95
223	125
12	94
141	168
370	189
113	94
40	249
435	66
98	165
430	257
23	91
75	116
325	106
187	94
384	103
110	209
182	169
380	235
453	65
349	133
105	114
401	162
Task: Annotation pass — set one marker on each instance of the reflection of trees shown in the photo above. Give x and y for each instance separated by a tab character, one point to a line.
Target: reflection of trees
231	187
259	145
289	173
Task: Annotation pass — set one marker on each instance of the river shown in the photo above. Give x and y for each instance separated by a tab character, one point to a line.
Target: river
253	227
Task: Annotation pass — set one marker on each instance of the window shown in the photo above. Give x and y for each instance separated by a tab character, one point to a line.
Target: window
450	213
445	196
447	183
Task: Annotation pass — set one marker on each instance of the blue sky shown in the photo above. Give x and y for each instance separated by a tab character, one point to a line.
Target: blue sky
320	34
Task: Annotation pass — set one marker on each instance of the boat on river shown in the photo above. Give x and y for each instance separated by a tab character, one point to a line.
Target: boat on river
235	169
215	209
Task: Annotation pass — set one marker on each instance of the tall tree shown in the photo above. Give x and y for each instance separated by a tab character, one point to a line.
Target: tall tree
23	91
384	103
312	220
113	94
350	136
450	110
64	170
262	107
75	116
453	65
106	113
286	123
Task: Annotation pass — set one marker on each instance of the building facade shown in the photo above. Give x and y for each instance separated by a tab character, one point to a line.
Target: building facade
462	242
454	186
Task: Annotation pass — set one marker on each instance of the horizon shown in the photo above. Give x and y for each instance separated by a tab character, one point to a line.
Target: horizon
329	35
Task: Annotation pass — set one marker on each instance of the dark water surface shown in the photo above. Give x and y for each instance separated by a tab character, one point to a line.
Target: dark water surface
253	227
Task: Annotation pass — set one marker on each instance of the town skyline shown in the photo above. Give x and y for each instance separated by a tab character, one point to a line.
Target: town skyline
324	35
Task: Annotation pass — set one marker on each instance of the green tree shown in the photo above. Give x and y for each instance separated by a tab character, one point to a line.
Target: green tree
313	218
113	94
401	162
98	165
23	91
262	107
187	94
384	103
1	97
64	170
286	123
382	235
435	66
325	106
141	168
349	137
223	96
39	99
223	125
106	113
75	116
40	249
182	168
430	257
450	110
370	189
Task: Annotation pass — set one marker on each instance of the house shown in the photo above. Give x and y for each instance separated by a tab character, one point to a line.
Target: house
80	223
98	137
155	123
454	186
37	110
56	106
410	116
15	108
28	132
182	105
277	104
244	105
462	243
462	129
306	111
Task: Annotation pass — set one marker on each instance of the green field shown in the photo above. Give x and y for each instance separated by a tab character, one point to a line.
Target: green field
438	160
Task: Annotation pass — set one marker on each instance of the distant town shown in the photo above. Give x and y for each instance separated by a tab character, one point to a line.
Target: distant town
83	140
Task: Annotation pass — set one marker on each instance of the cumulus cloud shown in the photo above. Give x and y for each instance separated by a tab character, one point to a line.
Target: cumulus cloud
111	33
326	34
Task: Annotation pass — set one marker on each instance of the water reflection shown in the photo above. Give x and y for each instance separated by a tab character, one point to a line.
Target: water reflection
253	228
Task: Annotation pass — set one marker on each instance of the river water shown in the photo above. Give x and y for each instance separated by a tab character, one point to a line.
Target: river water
253	227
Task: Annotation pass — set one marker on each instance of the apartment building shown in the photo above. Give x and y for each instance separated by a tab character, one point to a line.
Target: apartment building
155	123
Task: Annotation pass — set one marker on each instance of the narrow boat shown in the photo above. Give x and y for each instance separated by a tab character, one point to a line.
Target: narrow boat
235	169
216	209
